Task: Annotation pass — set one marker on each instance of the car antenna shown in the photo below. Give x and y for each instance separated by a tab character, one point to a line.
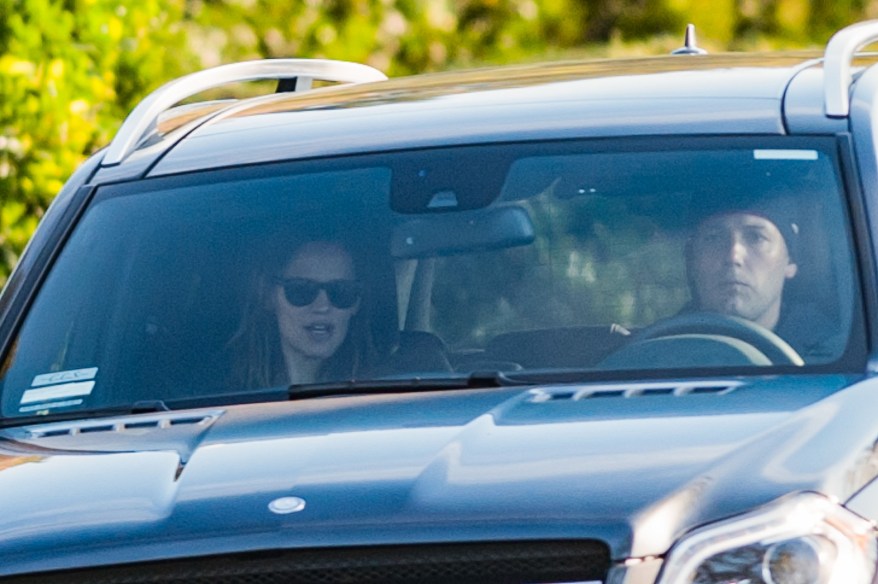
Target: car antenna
690	47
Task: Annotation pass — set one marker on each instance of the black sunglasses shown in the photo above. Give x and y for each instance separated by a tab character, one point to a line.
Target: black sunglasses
302	291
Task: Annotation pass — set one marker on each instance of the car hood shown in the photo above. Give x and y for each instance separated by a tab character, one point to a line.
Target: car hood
632	465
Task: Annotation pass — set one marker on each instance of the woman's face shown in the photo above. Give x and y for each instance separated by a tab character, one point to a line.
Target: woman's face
315	299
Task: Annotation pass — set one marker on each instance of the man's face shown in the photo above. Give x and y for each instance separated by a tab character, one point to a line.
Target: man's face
739	263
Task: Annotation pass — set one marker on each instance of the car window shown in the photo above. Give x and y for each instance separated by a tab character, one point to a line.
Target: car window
574	256
615	233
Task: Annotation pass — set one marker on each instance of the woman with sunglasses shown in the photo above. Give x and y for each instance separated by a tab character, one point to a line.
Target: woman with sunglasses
305	322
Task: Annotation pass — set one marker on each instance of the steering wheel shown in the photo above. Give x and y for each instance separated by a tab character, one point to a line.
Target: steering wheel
700	327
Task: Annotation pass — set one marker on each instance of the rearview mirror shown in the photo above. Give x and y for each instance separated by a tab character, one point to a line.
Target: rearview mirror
464	231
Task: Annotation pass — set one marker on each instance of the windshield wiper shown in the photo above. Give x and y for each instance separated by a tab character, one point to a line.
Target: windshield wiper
475	380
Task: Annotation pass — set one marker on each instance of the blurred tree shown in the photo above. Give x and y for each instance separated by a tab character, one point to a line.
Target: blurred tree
407	36
68	73
827	16
71	69
782	23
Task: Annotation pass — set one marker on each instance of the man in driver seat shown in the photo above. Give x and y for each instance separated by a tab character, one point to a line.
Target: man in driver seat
740	259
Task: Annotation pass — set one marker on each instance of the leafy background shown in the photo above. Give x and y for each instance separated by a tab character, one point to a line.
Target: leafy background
70	70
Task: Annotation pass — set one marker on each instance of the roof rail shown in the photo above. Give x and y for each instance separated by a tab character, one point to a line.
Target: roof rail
837	65
143	118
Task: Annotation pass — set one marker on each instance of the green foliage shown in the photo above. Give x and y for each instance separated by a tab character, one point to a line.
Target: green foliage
71	69
68	73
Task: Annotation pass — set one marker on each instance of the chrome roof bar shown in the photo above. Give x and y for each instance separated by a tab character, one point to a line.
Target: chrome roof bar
143	118
837	65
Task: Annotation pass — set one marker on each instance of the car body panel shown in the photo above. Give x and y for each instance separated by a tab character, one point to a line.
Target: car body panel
864	108
715	101
803	106
492	464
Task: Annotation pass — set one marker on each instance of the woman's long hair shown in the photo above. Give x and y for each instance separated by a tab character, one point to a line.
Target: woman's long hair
255	347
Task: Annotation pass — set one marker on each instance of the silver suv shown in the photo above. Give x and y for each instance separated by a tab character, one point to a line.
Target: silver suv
608	322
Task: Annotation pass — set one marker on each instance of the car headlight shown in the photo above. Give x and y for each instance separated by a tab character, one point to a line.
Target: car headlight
803	539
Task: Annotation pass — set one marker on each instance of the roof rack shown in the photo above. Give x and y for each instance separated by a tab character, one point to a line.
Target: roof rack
837	65
143	118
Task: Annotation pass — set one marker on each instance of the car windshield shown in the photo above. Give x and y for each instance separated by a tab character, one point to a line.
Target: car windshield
706	256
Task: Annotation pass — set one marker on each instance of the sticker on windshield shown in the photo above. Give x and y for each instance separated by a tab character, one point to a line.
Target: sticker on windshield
65	376
785	154
50	406
56	392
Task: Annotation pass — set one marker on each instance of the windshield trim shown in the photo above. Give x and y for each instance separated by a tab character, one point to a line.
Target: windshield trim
852	360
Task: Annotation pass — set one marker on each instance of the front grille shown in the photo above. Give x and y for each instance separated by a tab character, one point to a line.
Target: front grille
482	563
